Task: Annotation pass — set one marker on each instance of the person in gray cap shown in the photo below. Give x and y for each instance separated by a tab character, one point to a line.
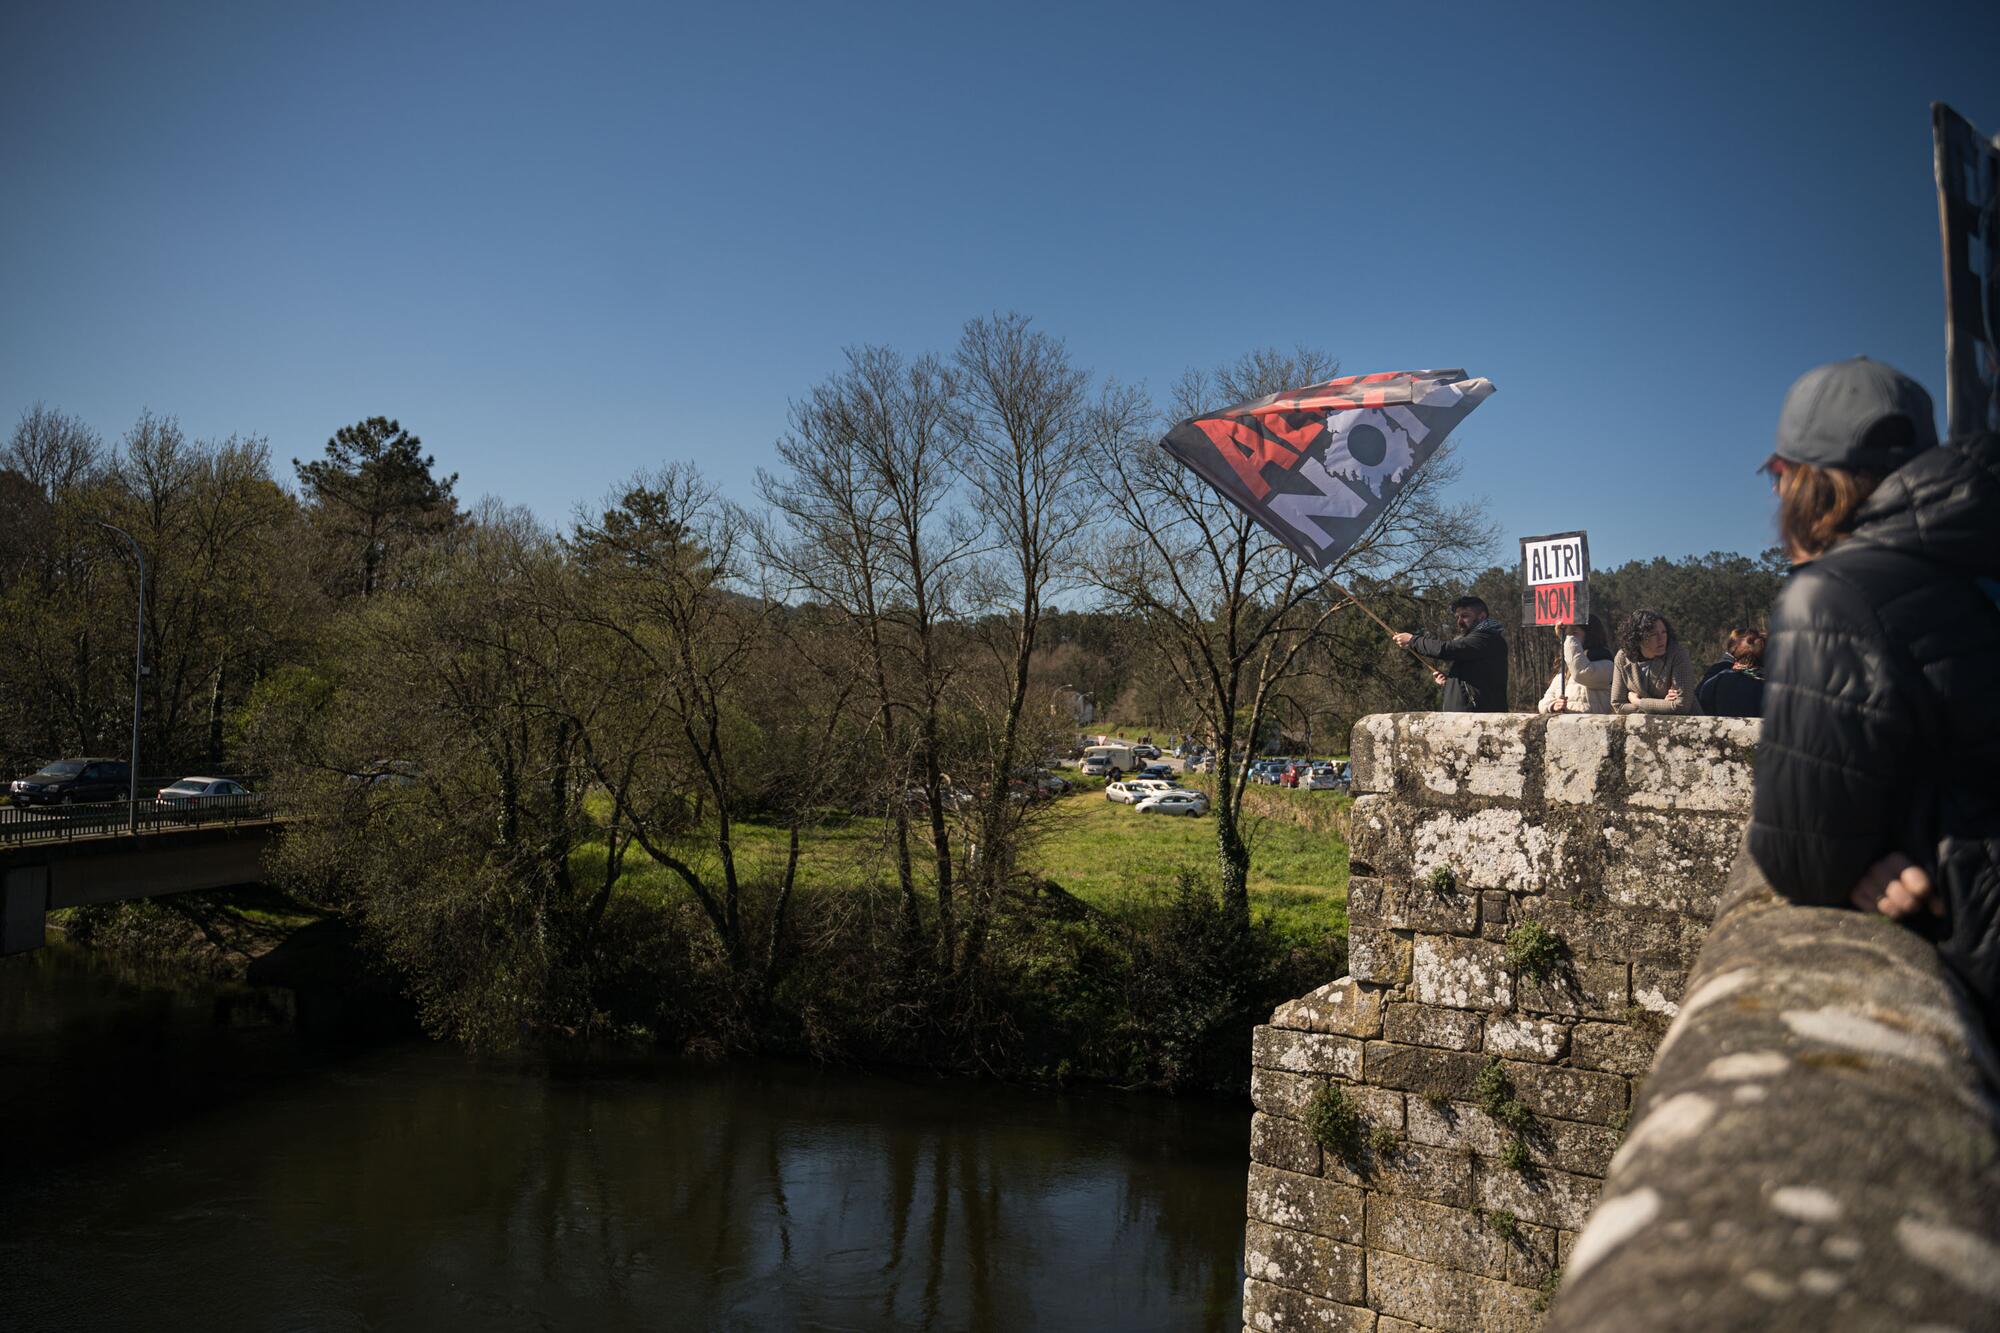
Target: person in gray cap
1878	770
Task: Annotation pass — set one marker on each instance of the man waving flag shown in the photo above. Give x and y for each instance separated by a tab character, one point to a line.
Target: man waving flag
1317	465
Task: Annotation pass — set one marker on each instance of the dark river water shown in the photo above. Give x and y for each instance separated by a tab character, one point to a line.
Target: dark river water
177	1155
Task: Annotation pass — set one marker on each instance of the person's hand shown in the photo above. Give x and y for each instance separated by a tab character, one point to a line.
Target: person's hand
1438	676
1403	640
1559	705
1895	887
1674	695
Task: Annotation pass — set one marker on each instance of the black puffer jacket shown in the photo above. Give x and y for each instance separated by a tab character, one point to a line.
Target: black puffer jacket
1475	670
1882	707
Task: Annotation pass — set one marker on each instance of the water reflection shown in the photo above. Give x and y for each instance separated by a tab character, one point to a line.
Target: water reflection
412	1186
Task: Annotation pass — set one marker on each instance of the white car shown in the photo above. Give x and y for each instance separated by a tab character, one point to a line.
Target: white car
1134	790
194	793
1322	779
1174	801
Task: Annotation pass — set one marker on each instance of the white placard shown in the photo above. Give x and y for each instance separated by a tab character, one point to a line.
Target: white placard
1557	561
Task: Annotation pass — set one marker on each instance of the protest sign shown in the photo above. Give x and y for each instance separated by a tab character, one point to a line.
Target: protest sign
1555	579
1968	181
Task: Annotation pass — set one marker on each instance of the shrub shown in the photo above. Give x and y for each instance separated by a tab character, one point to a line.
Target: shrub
1383	1141
1502	1224
1443	880
1496	1097
1534	950
1515	1156
1335	1123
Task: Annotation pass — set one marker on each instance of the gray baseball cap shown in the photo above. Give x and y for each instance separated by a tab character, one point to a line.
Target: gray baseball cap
1858	414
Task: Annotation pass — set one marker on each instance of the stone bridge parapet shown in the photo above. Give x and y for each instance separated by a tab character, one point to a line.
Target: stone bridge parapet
1527	896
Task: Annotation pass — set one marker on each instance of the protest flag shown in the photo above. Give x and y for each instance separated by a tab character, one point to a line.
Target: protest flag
1316	466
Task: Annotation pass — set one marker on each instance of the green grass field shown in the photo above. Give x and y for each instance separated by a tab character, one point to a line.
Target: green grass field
1116	859
1107	854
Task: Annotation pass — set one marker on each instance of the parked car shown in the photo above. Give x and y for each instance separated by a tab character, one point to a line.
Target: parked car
952	798
1133	790
193	793
1325	778
68	781
1174	802
1049	784
1146	750
1157	771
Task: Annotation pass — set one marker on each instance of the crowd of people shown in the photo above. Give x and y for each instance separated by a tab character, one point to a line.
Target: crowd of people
1649	671
1880	742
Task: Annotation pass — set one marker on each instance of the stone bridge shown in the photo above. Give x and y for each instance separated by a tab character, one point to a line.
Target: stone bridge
1815	1146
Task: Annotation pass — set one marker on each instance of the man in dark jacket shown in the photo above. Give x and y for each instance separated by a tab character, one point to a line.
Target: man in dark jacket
1475	675
1881	734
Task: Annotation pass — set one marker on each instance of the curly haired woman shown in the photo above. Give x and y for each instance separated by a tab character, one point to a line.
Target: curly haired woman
1652	672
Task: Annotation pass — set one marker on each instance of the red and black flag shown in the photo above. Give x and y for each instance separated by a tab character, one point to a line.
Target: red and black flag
1316	465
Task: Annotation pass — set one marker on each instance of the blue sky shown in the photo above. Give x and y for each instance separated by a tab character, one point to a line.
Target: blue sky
562	243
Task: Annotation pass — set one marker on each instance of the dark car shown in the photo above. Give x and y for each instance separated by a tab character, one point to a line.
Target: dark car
1158	771
69	781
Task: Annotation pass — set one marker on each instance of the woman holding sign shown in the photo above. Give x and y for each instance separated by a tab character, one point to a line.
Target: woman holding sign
1582	679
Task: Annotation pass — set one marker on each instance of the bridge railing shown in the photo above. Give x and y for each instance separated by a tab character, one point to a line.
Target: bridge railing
21	825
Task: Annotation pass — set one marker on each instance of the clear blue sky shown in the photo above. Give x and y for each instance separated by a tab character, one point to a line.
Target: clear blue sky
563	242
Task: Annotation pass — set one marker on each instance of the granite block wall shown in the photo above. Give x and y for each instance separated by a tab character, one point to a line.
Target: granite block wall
1527	897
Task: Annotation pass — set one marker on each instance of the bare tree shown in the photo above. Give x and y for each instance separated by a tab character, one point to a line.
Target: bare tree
1024	426
1233	609
872	528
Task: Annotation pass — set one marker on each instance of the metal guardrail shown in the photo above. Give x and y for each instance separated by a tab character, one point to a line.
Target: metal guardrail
24	824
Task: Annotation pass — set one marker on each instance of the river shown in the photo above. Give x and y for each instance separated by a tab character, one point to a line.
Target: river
181	1154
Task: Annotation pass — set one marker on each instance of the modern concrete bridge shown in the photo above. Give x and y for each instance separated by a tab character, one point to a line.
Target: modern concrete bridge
74	855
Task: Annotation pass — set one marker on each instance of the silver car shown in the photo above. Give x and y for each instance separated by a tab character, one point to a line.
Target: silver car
1174	802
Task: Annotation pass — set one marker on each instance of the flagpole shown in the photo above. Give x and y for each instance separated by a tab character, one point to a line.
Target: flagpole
1366	611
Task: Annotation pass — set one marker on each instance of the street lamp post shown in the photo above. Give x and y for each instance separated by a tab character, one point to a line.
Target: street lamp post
138	675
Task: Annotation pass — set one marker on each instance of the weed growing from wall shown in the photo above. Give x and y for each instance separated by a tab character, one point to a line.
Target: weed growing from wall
1496	1097
1535	951
1335	1124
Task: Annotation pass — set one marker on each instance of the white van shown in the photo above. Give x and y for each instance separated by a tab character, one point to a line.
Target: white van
1109	761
